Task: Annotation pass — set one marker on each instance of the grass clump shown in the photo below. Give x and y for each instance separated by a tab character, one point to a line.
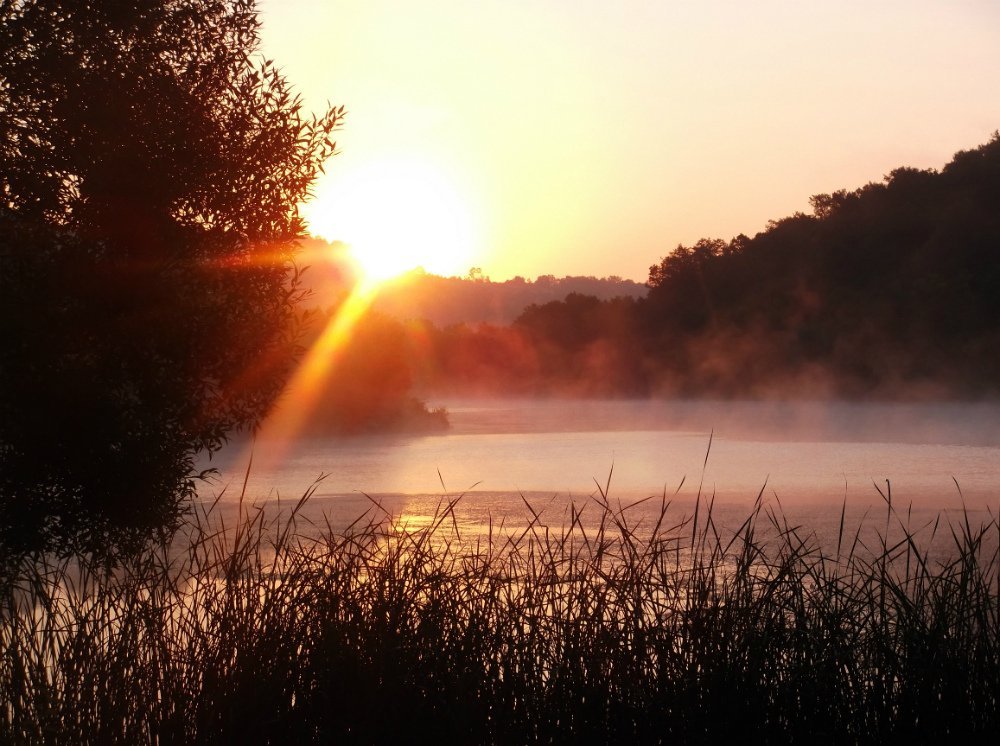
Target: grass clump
269	629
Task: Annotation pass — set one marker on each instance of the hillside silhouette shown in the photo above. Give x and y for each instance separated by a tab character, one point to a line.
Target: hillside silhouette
887	289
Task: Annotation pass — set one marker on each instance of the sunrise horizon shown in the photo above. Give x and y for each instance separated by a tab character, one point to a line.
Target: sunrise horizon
397	257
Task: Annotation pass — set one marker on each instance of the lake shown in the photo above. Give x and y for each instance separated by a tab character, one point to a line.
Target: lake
807	456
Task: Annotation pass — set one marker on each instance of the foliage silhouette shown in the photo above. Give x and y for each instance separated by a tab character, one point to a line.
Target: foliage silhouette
150	168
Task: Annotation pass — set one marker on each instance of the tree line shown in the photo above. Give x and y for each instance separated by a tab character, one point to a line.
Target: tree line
891	290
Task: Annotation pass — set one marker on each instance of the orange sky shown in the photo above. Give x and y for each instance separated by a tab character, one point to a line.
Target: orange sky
581	137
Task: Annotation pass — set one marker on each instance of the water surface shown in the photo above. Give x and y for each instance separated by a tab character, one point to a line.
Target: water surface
809	457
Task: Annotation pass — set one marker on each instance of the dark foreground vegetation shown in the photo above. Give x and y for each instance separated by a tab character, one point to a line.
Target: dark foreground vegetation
269	630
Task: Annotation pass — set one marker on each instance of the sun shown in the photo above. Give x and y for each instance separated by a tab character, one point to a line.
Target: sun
396	214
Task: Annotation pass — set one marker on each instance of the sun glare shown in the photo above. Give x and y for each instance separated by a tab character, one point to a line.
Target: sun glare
397	214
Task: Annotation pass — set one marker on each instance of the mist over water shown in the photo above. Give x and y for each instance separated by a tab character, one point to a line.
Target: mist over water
809	456
974	423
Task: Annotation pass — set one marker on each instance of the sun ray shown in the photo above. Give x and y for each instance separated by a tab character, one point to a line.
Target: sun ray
305	387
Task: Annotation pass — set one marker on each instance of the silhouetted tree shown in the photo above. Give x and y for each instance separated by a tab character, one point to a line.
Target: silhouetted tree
150	168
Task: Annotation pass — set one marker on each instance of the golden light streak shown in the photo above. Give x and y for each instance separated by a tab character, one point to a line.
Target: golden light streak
304	389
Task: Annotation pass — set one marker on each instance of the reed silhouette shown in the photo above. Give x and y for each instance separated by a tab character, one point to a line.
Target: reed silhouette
262	627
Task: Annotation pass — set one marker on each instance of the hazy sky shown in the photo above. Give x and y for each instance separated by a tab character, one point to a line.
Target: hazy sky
583	137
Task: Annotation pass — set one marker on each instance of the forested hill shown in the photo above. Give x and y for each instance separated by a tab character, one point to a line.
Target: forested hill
452	300
894	283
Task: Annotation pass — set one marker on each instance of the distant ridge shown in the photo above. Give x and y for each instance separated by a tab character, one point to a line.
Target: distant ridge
445	301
